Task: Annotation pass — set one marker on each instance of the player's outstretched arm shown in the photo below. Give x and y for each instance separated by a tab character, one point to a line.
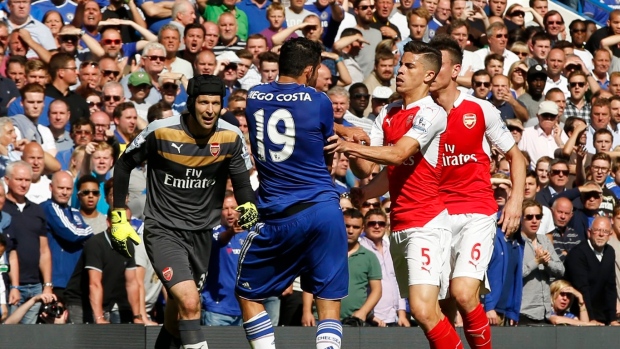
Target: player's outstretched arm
511	215
394	155
377	187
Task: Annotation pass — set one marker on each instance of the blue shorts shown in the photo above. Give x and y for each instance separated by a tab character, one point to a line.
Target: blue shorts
311	244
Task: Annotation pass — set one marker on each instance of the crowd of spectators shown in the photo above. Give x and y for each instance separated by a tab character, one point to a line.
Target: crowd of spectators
82	79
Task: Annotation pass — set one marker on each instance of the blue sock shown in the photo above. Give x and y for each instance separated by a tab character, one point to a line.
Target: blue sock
328	334
259	331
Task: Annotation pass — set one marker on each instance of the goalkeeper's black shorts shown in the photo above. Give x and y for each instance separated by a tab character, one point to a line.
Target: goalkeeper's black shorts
178	255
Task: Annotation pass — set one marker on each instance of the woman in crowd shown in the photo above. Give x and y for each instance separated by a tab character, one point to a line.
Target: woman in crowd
517	76
562	297
53	20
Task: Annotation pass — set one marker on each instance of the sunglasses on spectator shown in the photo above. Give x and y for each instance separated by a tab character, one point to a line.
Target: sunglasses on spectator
499	36
381	224
558	172
575	84
114	73
514	129
71	38
89	64
170	86
83	133
482	83
529	217
352	226
578	30
373	204
555	23
112	41
592	195
143	86
566	294
92	104
108	98
4	38
88	192
361	95
521	53
366	7
517	14
156	58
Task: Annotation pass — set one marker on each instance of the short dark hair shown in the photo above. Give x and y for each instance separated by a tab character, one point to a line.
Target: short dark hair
562	44
350	32
569	123
357	85
456	24
297	54
21	60
493	57
374	212
59	61
444	42
119	109
156	111
268	57
88	178
602	131
431	57
540	37
193	26
82	122
352	213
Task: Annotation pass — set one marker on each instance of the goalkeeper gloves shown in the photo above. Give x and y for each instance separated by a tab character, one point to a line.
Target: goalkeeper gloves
121	231
248	215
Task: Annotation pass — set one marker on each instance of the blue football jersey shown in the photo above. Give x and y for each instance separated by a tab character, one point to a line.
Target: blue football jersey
289	125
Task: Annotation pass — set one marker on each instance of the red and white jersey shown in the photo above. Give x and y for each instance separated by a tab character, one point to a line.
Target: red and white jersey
465	185
414	185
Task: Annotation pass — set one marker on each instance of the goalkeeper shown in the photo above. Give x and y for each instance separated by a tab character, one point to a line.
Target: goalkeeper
189	159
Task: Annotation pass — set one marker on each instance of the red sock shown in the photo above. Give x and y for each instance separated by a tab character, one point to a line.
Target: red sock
477	329
443	336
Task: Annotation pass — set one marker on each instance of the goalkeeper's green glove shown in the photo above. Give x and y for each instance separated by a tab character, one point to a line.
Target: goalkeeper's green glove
121	231
248	215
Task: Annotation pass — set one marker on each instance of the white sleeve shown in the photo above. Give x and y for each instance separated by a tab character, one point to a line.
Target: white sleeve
427	124
376	131
496	131
49	143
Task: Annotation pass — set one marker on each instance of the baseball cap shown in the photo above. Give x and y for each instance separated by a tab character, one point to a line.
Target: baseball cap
382	92
229	56
536	70
139	78
548	107
514	123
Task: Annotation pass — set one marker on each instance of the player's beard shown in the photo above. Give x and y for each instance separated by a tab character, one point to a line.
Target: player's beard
313	76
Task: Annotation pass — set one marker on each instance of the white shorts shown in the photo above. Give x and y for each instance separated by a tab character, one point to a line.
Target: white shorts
472	245
421	256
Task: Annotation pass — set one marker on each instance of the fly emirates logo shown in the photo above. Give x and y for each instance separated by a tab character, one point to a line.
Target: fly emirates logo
449	158
192	180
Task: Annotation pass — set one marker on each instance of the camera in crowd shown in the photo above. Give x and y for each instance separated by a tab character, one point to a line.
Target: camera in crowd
53	309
